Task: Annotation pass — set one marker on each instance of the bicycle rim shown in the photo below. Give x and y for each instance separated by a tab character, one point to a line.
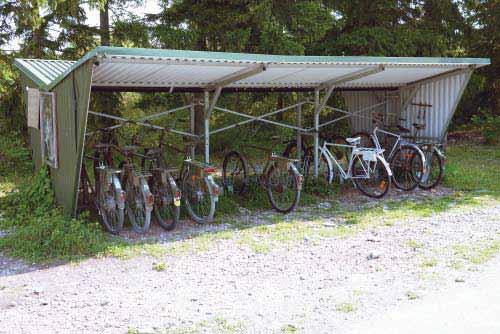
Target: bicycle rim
200	203
166	213
374	184
405	165
139	217
434	174
234	173
282	189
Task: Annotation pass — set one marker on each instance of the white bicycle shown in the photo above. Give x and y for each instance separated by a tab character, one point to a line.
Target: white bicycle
365	167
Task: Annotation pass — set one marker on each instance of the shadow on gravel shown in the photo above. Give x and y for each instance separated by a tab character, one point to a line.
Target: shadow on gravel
336	215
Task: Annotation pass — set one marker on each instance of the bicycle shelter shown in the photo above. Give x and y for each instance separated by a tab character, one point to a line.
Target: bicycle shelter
393	86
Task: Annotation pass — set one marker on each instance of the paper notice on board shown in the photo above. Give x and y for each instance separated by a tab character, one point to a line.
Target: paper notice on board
33	108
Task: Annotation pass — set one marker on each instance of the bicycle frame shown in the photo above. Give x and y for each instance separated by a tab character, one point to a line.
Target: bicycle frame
400	141
366	155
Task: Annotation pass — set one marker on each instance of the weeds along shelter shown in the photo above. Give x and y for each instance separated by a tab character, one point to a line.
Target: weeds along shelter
57	94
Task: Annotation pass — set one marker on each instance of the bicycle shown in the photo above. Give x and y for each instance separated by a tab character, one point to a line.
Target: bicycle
139	199
166	208
199	189
434	152
279	177
107	198
365	167
407	161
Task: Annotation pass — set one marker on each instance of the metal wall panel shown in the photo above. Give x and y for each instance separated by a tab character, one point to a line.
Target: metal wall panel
443	94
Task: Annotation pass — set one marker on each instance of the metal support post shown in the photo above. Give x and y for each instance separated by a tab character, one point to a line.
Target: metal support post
316	131
299	133
206	127
192	125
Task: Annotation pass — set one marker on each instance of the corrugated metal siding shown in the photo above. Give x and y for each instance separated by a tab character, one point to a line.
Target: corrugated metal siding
70	134
363	99
443	95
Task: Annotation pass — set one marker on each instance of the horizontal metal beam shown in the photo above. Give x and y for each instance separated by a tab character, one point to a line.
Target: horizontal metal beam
258	118
349	114
233	77
164	113
148	125
351	76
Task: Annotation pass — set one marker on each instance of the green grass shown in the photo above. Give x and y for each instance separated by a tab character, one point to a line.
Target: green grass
345	307
473	168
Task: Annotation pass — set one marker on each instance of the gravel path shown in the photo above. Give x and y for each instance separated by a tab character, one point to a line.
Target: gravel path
311	286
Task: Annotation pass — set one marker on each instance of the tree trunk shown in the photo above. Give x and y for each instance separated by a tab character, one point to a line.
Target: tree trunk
104	24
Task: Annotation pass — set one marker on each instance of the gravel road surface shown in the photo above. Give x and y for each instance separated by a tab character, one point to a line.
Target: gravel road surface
326	285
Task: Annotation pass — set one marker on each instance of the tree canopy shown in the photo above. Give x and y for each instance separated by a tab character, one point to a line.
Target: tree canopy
59	29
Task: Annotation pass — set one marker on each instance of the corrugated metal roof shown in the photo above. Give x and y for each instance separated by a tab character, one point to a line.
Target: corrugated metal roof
43	72
159	68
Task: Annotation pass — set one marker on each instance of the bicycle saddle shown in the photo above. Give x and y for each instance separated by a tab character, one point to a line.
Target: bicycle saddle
353	141
419	126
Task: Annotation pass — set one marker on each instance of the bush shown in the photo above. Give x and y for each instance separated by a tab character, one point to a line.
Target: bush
37	229
490	126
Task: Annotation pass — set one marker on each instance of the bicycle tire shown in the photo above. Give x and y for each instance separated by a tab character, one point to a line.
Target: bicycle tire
295	186
225	175
385	180
430	167
136	207
111	219
197	217
325	169
404	164
168	204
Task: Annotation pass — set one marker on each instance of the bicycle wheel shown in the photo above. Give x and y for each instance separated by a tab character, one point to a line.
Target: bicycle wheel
435	169
111	216
406	165
200	203
371	177
282	188
235	173
138	213
165	211
366	139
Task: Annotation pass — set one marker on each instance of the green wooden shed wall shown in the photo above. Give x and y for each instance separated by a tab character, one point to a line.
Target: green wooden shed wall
72	101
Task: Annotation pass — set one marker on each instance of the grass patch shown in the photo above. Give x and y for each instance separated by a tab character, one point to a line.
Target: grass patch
429	263
160	266
288	328
412	295
39	232
414	244
473	168
345	307
479	253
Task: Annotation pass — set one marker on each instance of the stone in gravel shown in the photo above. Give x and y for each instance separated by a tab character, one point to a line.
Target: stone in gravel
324	205
12	304
373	256
329	225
